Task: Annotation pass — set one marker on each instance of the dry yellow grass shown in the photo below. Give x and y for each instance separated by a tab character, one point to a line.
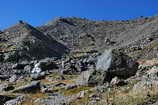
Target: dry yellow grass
46	82
76	90
152	62
117	97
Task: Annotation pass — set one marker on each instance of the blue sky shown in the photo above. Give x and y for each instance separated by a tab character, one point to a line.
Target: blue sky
38	12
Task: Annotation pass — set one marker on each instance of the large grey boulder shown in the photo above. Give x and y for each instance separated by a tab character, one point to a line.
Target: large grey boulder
116	63
112	63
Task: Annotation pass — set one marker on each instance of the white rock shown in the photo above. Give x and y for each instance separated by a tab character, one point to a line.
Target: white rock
36	70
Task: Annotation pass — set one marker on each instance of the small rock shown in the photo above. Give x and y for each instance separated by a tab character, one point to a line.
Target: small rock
155	103
117	82
146	83
6	87
81	95
16	101
4	99
13	79
25	62
1	57
33	87
27	69
91	77
38	76
94	97
54	99
72	86
153	71
11	56
44	89
60	85
4	77
36	70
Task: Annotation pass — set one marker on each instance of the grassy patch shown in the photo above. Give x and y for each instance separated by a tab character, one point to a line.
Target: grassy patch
131	97
54	78
22	82
6	47
135	53
76	90
68	77
85	100
30	98
153	45
138	52
46	82
82	101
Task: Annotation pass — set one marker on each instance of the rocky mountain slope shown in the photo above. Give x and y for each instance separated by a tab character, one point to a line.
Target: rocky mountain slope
23	41
74	61
137	35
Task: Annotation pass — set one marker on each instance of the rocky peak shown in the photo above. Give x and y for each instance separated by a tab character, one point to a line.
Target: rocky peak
26	40
62	20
